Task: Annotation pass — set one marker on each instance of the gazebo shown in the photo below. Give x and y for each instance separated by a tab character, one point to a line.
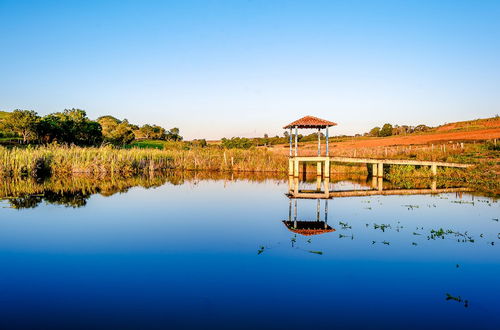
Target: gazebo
309	122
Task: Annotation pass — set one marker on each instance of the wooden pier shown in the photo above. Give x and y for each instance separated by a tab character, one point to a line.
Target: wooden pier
324	162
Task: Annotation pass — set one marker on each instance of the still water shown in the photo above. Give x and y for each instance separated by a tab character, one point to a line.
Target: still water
202	252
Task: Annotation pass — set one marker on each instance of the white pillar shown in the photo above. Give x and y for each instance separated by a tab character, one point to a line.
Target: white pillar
296	139
327	141
290	138
380	168
434	169
318	208
319	141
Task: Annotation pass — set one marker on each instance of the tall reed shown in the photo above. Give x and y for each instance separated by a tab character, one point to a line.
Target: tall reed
19	162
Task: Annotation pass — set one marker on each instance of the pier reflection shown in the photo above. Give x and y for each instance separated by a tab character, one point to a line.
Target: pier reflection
325	188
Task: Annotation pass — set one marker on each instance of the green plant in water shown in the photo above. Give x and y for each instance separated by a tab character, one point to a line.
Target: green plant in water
382	227
344	225
457	299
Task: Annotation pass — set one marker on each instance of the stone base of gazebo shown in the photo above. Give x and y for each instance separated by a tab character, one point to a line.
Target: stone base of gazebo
322	165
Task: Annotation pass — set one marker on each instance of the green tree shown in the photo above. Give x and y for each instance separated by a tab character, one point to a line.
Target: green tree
386	130
122	134
73	127
174	134
23	122
49	129
237	142
375	131
422	128
153	132
116	131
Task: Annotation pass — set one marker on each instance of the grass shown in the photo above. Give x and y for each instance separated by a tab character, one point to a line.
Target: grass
148	144
58	160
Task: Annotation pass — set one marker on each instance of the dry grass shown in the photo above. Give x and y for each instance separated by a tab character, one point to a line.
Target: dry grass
57	160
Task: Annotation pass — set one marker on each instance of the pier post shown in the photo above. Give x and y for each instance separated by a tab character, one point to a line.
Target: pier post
319	142
304	169
327	151
326	182
434	169
290	166
380	184
326	172
380	168
374	170
296	140
318	168
296	168
318	183
318	208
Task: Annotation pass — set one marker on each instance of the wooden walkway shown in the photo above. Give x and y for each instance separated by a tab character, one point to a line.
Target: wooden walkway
323	164
396	162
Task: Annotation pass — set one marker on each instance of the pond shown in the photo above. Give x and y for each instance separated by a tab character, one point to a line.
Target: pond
212	251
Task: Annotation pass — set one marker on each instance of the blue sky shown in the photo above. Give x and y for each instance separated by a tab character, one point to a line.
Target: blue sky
245	68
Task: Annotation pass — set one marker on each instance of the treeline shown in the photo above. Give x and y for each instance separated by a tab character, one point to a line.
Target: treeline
246	143
72	126
389	130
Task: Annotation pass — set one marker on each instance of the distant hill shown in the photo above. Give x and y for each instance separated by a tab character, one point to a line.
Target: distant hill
470	125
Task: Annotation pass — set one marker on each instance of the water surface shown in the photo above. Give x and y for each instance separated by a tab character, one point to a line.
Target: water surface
200	252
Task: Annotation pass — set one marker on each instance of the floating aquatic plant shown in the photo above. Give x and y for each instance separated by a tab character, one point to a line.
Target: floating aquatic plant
382	227
344	225
457	299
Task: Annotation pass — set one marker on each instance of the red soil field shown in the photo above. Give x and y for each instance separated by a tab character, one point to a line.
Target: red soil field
436	138
468	131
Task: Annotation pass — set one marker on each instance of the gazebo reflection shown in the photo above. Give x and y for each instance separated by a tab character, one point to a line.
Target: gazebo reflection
308	227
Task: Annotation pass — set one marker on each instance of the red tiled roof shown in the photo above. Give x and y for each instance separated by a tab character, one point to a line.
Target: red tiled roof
311	232
308	228
311	122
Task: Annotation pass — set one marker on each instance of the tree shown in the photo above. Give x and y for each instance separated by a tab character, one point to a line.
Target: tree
23	122
386	130
422	128
153	132
146	131
237	142
375	131
73	127
173	134
49	129
116	131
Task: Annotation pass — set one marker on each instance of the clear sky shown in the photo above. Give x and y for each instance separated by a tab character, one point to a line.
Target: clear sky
245	68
